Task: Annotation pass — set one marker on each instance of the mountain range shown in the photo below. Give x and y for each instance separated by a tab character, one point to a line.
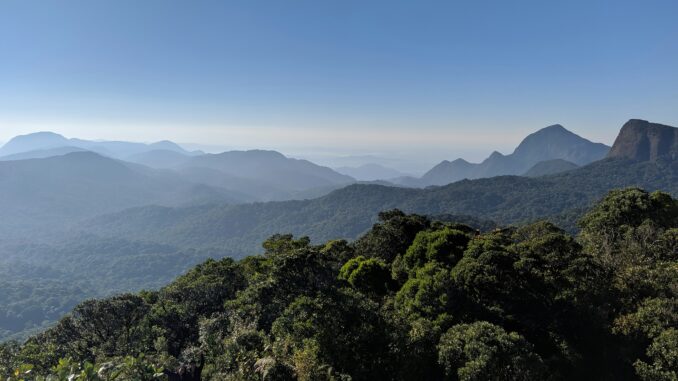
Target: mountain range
550	143
139	222
41	141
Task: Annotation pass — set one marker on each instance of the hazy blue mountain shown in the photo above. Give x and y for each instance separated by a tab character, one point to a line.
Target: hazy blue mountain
159	158
271	168
172	222
40	192
369	172
32	142
550	167
251	189
349	211
553	142
642	140
41	153
49	140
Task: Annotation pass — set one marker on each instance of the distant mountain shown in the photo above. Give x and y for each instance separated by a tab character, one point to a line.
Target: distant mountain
33	142
550	167
645	141
159	158
369	172
553	142
62	189
348	212
270	168
41	153
44	141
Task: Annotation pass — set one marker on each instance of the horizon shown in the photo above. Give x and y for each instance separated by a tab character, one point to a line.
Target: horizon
405	165
436	80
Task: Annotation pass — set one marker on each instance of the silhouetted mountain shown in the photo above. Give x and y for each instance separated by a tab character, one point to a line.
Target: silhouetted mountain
550	167
645	141
553	142
369	172
116	149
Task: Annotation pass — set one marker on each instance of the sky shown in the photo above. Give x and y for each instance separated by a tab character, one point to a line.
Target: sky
417	80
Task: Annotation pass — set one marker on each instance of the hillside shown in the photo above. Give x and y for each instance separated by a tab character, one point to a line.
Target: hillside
553	142
550	167
412	299
370	172
270	168
348	212
159	158
58	190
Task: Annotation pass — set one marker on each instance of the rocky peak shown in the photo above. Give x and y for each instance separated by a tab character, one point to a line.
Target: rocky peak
644	141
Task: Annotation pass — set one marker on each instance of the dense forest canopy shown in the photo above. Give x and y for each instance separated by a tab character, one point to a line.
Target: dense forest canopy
412	299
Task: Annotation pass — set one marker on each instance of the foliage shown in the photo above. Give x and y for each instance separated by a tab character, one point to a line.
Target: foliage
412	299
481	351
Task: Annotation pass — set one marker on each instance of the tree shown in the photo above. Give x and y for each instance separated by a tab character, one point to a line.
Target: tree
623	228
391	236
445	246
483	351
369	275
663	352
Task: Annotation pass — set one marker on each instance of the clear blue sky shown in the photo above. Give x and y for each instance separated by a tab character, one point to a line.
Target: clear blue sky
440	78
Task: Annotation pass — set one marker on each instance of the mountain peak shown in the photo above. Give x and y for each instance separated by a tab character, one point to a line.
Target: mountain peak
644	141
557	142
36	140
555	127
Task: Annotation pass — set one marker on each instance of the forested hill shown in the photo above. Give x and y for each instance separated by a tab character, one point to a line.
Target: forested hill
348	212
412	299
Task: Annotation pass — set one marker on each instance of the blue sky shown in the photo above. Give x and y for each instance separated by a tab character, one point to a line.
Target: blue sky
435	79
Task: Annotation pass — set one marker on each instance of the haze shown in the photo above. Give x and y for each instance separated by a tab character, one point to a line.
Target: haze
425	81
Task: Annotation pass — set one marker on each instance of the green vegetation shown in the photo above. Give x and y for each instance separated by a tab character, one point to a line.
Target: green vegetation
149	246
412	299
349	212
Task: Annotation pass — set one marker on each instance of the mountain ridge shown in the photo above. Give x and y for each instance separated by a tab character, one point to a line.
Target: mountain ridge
548	143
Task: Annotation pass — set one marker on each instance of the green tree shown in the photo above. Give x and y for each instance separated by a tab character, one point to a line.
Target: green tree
391	236
368	275
483	351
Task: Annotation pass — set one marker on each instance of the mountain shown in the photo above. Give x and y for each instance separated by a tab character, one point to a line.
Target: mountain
550	167
348	212
41	153
159	158
163	230
553	142
32	142
645	141
271	168
41	141
369	172
61	189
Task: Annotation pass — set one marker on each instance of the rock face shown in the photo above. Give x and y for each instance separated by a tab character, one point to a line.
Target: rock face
644	141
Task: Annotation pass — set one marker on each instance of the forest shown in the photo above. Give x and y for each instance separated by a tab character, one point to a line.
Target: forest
411	299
